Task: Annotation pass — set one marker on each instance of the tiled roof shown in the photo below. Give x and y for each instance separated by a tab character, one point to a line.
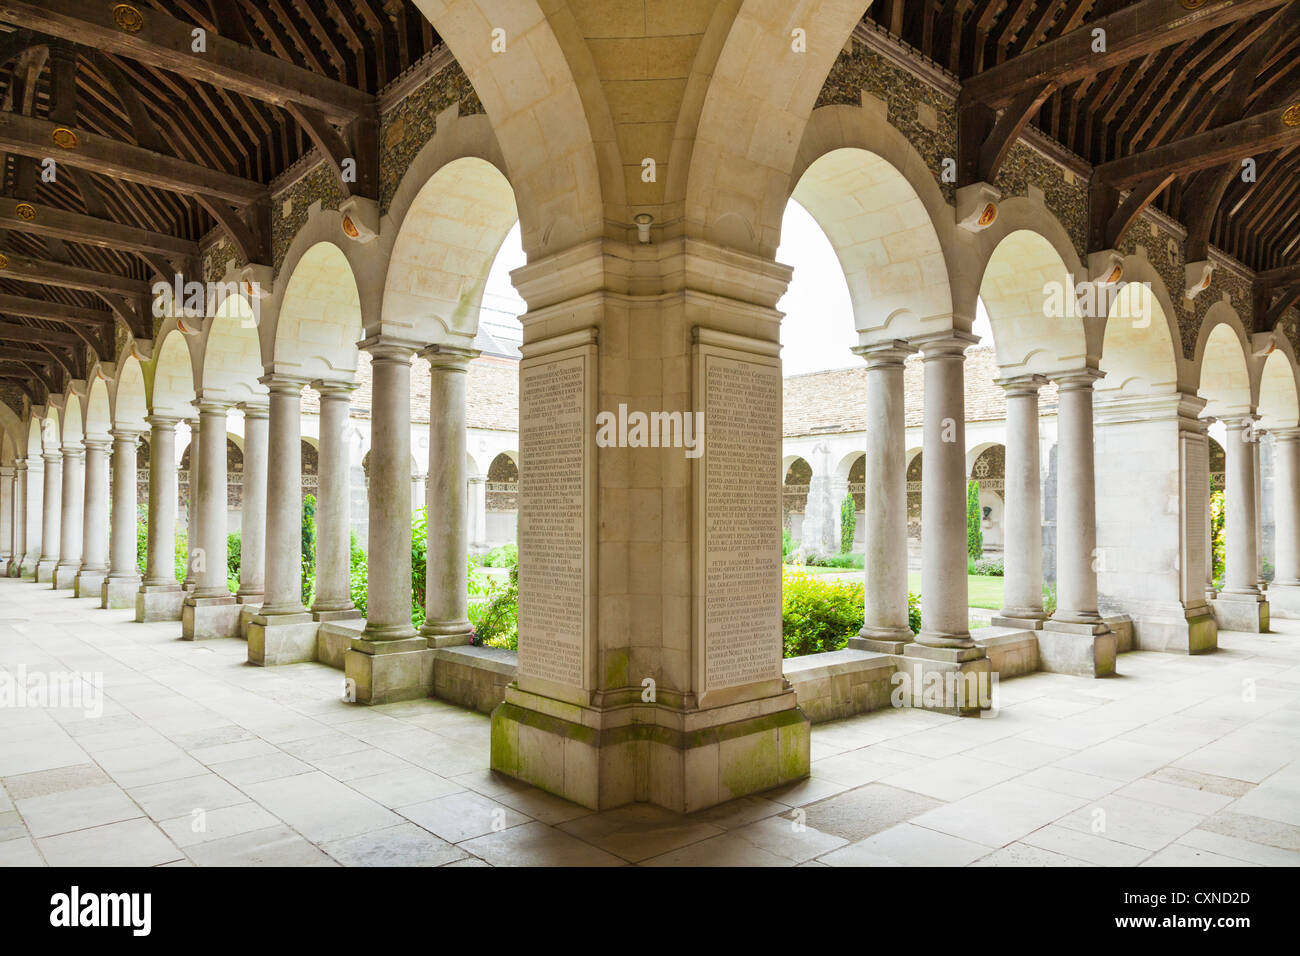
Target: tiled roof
833	401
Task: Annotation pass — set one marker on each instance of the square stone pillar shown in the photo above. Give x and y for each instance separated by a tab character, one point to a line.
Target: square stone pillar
1240	605
650	650
1152	463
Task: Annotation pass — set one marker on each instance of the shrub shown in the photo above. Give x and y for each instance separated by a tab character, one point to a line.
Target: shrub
848	523
358	574
419	565
846	561
308	549
974	534
1049	598
232	561
991	567
819	615
502	556
141	538
181	555
1217	514
914	612
787	543
496	622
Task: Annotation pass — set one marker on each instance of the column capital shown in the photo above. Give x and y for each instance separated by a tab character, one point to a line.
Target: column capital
449	358
279	383
76	452
98	442
390	348
20	465
1026	384
6	471
889	354
1285	434
334	389
1077	379
213	407
122	434
1238	422
945	343
255	409
165	423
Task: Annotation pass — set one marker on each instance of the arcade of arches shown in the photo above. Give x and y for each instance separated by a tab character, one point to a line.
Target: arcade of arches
646	567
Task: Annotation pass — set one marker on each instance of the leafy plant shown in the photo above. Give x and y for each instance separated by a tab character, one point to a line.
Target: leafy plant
848	523
502	556
233	548
974	514
308	549
787	543
419	565
358	572
1218	512
846	561
992	567
819	615
496	621
1049	598
914	612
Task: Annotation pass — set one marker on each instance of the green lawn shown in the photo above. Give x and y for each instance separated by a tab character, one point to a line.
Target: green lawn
985	590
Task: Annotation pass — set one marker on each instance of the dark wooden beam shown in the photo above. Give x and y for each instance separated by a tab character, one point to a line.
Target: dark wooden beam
32	356
1132	32
104	233
108	157
52	311
65	276
983	143
165	43
12	332
1119	221
1278	309
1254	134
1284	275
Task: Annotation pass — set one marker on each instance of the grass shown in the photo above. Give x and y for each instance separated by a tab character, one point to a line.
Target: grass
985	590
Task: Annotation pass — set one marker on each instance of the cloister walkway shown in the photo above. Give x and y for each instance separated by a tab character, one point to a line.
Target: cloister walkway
199	758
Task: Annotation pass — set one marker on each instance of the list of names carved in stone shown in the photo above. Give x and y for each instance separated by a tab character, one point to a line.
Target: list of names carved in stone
551	507
742	500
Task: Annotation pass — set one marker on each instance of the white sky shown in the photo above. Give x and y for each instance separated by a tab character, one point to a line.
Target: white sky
817	332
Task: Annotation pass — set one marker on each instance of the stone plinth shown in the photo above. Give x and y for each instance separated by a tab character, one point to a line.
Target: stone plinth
380	672
1080	648
280	638
89	583
206	618
159	603
119	593
1284	601
1241	612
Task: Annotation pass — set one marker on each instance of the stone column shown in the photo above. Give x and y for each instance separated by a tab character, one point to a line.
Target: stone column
333	599
252	534
35	519
1210	592
944	651
389	661
94	534
7	523
1240	606
282	632
1076	640
193	532
446	620
160	595
15	568
210	610
123	581
51	510
1022	520
1284	592
1259	509
885	628
70	527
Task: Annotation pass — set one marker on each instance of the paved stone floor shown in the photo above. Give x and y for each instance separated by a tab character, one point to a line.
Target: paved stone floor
201	759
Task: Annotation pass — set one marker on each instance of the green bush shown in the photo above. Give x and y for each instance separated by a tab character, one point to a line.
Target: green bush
141	537
846	561
502	556
787	543
914	612
308	549
1049	598
181	555
848	523
419	565
819	615
358	573
1217	514
974	514
232	561
496	621
991	567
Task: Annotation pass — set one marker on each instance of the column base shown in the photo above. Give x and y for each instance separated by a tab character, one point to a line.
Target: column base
256	598
64	576
13	568
951	680
1082	648
45	571
682	760
1021	618
119	593
447	635
1171	628
89	584
380	672
1241	612
246	614
158	602
27	569
204	619
343	614
281	639
882	640
1284	601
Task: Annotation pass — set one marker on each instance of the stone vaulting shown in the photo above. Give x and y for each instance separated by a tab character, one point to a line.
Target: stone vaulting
210	210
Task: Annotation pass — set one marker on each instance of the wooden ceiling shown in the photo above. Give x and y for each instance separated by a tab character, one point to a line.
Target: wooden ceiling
171	142
275	77
1175	80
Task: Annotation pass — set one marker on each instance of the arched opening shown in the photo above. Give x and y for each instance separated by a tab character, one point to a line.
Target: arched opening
794	497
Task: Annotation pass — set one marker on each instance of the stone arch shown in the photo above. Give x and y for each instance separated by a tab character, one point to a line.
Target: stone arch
753	118
536	83
1223	366
129	405
1138	354
1027	288
35	446
1279	399
503	468
51	429
885	239
230	350
319	316
99	417
446	240
170	389
73	428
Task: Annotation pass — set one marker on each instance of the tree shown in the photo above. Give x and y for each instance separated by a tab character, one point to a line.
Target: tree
848	523
974	516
